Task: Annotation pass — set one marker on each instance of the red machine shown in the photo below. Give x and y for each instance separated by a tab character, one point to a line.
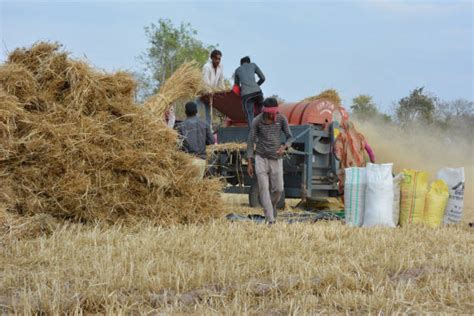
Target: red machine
317	112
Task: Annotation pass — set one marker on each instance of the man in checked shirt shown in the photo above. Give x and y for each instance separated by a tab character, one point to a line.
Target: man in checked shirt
265	134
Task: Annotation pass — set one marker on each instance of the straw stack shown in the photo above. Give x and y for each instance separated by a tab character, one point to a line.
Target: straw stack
74	145
329	95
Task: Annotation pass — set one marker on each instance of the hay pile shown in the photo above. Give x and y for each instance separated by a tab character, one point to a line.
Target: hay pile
74	145
330	95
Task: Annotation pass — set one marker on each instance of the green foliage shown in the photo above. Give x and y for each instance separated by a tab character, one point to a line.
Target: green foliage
170	46
364	107
417	107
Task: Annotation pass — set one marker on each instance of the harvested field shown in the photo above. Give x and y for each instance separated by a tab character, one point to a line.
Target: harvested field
239	268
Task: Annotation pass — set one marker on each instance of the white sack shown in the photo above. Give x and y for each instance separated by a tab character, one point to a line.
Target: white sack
379	196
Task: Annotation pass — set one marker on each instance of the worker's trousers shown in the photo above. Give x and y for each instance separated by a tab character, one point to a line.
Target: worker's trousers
270	184
251	104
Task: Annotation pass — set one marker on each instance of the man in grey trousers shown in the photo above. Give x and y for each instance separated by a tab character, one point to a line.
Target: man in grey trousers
265	134
250	91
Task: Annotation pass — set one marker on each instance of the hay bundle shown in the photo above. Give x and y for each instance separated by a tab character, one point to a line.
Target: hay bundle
75	146
185	83
330	95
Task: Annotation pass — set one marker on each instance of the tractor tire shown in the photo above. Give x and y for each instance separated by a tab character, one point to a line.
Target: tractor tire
254	197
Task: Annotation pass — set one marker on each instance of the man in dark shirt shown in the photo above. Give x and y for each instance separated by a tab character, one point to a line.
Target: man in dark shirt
244	77
265	134
196	135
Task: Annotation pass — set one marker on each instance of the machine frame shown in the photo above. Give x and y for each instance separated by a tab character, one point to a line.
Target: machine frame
309	167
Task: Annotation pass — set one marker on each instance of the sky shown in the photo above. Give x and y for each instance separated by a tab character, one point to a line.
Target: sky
382	48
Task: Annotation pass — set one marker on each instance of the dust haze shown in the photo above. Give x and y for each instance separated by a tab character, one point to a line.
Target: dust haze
423	148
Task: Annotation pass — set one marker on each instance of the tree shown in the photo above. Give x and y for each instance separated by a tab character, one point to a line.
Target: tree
417	107
456	116
170	47
364	107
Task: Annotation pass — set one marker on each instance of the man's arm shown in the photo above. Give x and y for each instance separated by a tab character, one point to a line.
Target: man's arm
209	136
286	129
370	152
260	75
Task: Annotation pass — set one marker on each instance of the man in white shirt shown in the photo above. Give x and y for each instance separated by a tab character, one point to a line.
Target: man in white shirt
213	77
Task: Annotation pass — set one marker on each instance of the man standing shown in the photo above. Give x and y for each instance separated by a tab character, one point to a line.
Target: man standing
244	78
213	77
265	133
196	135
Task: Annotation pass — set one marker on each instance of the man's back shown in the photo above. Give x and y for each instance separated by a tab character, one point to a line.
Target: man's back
245	77
196	135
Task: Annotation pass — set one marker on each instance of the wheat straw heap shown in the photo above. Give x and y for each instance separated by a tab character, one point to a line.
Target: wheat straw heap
330	95
74	145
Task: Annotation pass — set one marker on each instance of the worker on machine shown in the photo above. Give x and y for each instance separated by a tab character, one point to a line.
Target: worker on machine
250	92
265	134
349	149
213	78
196	135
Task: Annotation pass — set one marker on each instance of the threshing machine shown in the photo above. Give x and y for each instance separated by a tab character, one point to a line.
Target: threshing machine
310	168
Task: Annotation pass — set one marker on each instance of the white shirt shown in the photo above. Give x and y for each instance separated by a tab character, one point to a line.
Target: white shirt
212	77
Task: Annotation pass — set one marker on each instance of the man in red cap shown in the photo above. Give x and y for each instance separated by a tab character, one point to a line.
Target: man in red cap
265	134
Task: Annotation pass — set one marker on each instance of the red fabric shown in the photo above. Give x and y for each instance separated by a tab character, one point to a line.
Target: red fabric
271	110
349	149
236	89
370	152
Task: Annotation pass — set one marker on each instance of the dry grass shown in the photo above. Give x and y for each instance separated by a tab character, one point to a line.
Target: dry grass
239	268
184	84
329	95
213	150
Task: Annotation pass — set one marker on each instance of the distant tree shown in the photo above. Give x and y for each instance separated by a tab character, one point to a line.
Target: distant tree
417	107
170	46
364	107
456	108
456	116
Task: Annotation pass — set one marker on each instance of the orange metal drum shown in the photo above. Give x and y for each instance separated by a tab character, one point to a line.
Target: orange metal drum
319	112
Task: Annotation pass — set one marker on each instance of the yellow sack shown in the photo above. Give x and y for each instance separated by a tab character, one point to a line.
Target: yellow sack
436	201
413	190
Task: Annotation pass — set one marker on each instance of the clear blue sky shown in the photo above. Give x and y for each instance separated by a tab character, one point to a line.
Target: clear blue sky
382	48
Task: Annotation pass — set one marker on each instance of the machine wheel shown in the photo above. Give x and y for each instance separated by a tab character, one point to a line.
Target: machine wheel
254	198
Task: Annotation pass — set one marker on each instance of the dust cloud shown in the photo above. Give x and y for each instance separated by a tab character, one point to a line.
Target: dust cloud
423	148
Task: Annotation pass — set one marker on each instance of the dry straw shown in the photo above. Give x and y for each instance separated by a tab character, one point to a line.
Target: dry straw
185	83
213	150
75	146
330	95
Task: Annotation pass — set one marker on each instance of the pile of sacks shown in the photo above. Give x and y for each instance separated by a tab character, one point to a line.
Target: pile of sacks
373	197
